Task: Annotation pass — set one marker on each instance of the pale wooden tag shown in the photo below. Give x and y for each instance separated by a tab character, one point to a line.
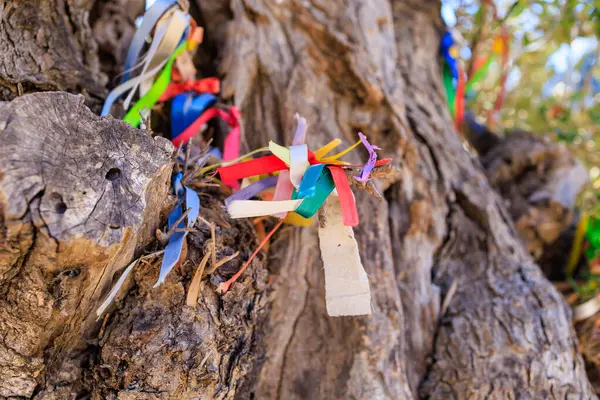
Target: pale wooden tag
346	283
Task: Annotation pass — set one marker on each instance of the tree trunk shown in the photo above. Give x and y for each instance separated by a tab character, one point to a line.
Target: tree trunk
460	309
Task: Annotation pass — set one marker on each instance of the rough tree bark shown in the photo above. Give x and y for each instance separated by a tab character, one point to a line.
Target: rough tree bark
47	45
504	332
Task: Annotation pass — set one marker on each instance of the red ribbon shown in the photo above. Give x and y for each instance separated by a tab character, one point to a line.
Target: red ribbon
231	147
460	99
347	203
230	117
207	85
257	166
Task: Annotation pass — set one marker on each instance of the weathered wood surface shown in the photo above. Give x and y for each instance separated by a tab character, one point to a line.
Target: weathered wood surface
345	66
79	195
48	45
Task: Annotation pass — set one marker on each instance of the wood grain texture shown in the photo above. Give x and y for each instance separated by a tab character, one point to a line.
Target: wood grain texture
79	195
48	45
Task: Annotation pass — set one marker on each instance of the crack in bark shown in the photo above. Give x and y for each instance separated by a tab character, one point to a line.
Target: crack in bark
289	342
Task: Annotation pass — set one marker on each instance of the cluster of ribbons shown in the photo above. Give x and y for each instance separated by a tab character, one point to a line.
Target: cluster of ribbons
166	73
302	180
294	184
458	86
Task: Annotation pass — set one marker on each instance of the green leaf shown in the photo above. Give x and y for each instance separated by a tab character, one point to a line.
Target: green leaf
517	8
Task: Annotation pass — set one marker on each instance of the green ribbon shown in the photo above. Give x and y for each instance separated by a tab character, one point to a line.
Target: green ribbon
450	89
133	116
479	74
323	189
593	236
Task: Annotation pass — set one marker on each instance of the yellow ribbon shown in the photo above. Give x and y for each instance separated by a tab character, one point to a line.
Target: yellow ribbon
577	244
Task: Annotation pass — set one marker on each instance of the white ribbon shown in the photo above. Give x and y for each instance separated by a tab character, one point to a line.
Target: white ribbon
298	163
258	208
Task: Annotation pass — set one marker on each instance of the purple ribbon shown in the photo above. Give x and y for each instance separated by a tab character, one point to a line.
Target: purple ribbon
252	190
300	136
366	170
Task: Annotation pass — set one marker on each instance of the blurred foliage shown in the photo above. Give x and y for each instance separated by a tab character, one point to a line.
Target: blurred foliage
553	84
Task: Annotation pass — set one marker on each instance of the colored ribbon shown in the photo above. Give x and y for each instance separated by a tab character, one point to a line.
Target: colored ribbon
256	166
283	153
151	17
460	100
231	145
309	182
186	108
174	247
592	234
300	135
259	208
346	197
366	170
329	147
333	158
172	28
450	90
151	61
311	204
298	163
230	151
284	187
133	116
577	246
123	88
252	190
447	44
206	85
479	73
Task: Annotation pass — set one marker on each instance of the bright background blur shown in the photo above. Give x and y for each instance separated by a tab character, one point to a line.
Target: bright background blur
553	84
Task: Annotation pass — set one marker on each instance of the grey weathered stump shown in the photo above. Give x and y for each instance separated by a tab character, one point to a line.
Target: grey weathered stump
79	196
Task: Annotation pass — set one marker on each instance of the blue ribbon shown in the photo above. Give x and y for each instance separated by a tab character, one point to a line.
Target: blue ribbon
445	46
186	108
174	247
309	181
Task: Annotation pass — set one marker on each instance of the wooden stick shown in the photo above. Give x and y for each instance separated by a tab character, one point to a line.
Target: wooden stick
221	262
194	290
